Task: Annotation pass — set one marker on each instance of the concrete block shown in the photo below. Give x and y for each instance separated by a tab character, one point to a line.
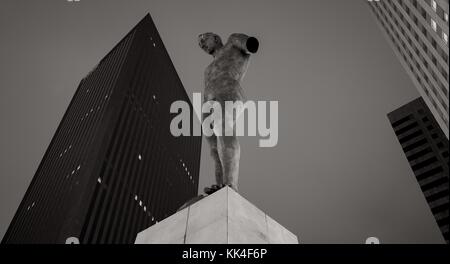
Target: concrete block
224	217
207	220
172	231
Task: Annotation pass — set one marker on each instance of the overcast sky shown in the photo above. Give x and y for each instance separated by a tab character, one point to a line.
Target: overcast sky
337	175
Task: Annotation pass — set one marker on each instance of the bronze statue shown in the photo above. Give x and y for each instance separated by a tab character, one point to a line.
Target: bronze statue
222	83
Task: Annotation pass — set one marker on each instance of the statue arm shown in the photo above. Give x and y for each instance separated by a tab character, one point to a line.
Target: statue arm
244	42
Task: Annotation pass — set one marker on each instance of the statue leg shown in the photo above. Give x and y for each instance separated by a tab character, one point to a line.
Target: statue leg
229	149
212	140
229	153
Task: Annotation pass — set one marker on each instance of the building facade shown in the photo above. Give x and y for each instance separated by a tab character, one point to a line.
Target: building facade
113	168
418	32
426	149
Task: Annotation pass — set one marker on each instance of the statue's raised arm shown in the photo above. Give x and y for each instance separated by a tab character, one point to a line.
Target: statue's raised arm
244	42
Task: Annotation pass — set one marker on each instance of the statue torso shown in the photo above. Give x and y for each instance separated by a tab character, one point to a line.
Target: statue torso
224	74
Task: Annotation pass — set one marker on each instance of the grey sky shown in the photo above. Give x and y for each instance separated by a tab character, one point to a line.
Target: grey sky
337	175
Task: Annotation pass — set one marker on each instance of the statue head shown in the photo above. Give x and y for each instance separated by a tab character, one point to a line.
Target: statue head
210	42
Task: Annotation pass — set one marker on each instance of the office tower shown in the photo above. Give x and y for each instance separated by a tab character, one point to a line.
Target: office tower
113	168
426	149
418	32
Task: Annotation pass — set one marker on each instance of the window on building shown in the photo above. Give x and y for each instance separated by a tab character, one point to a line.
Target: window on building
434	60
434	5
434	43
445	37
446	17
433	25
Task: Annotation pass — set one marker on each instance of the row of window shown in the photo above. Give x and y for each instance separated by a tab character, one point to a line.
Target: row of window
186	169
31	206
144	207
443	15
444	35
442	51
438	10
65	151
90	112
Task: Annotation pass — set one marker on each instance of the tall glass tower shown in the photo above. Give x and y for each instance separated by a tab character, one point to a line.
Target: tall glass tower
113	168
418	32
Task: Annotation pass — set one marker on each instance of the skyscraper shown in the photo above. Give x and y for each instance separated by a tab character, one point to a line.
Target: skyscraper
426	149
113	168
418	32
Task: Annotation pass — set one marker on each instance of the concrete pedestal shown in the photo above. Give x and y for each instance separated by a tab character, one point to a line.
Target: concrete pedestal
224	217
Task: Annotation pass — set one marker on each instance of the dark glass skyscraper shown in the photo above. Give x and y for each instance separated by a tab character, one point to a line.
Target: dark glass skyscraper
113	168
426	148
